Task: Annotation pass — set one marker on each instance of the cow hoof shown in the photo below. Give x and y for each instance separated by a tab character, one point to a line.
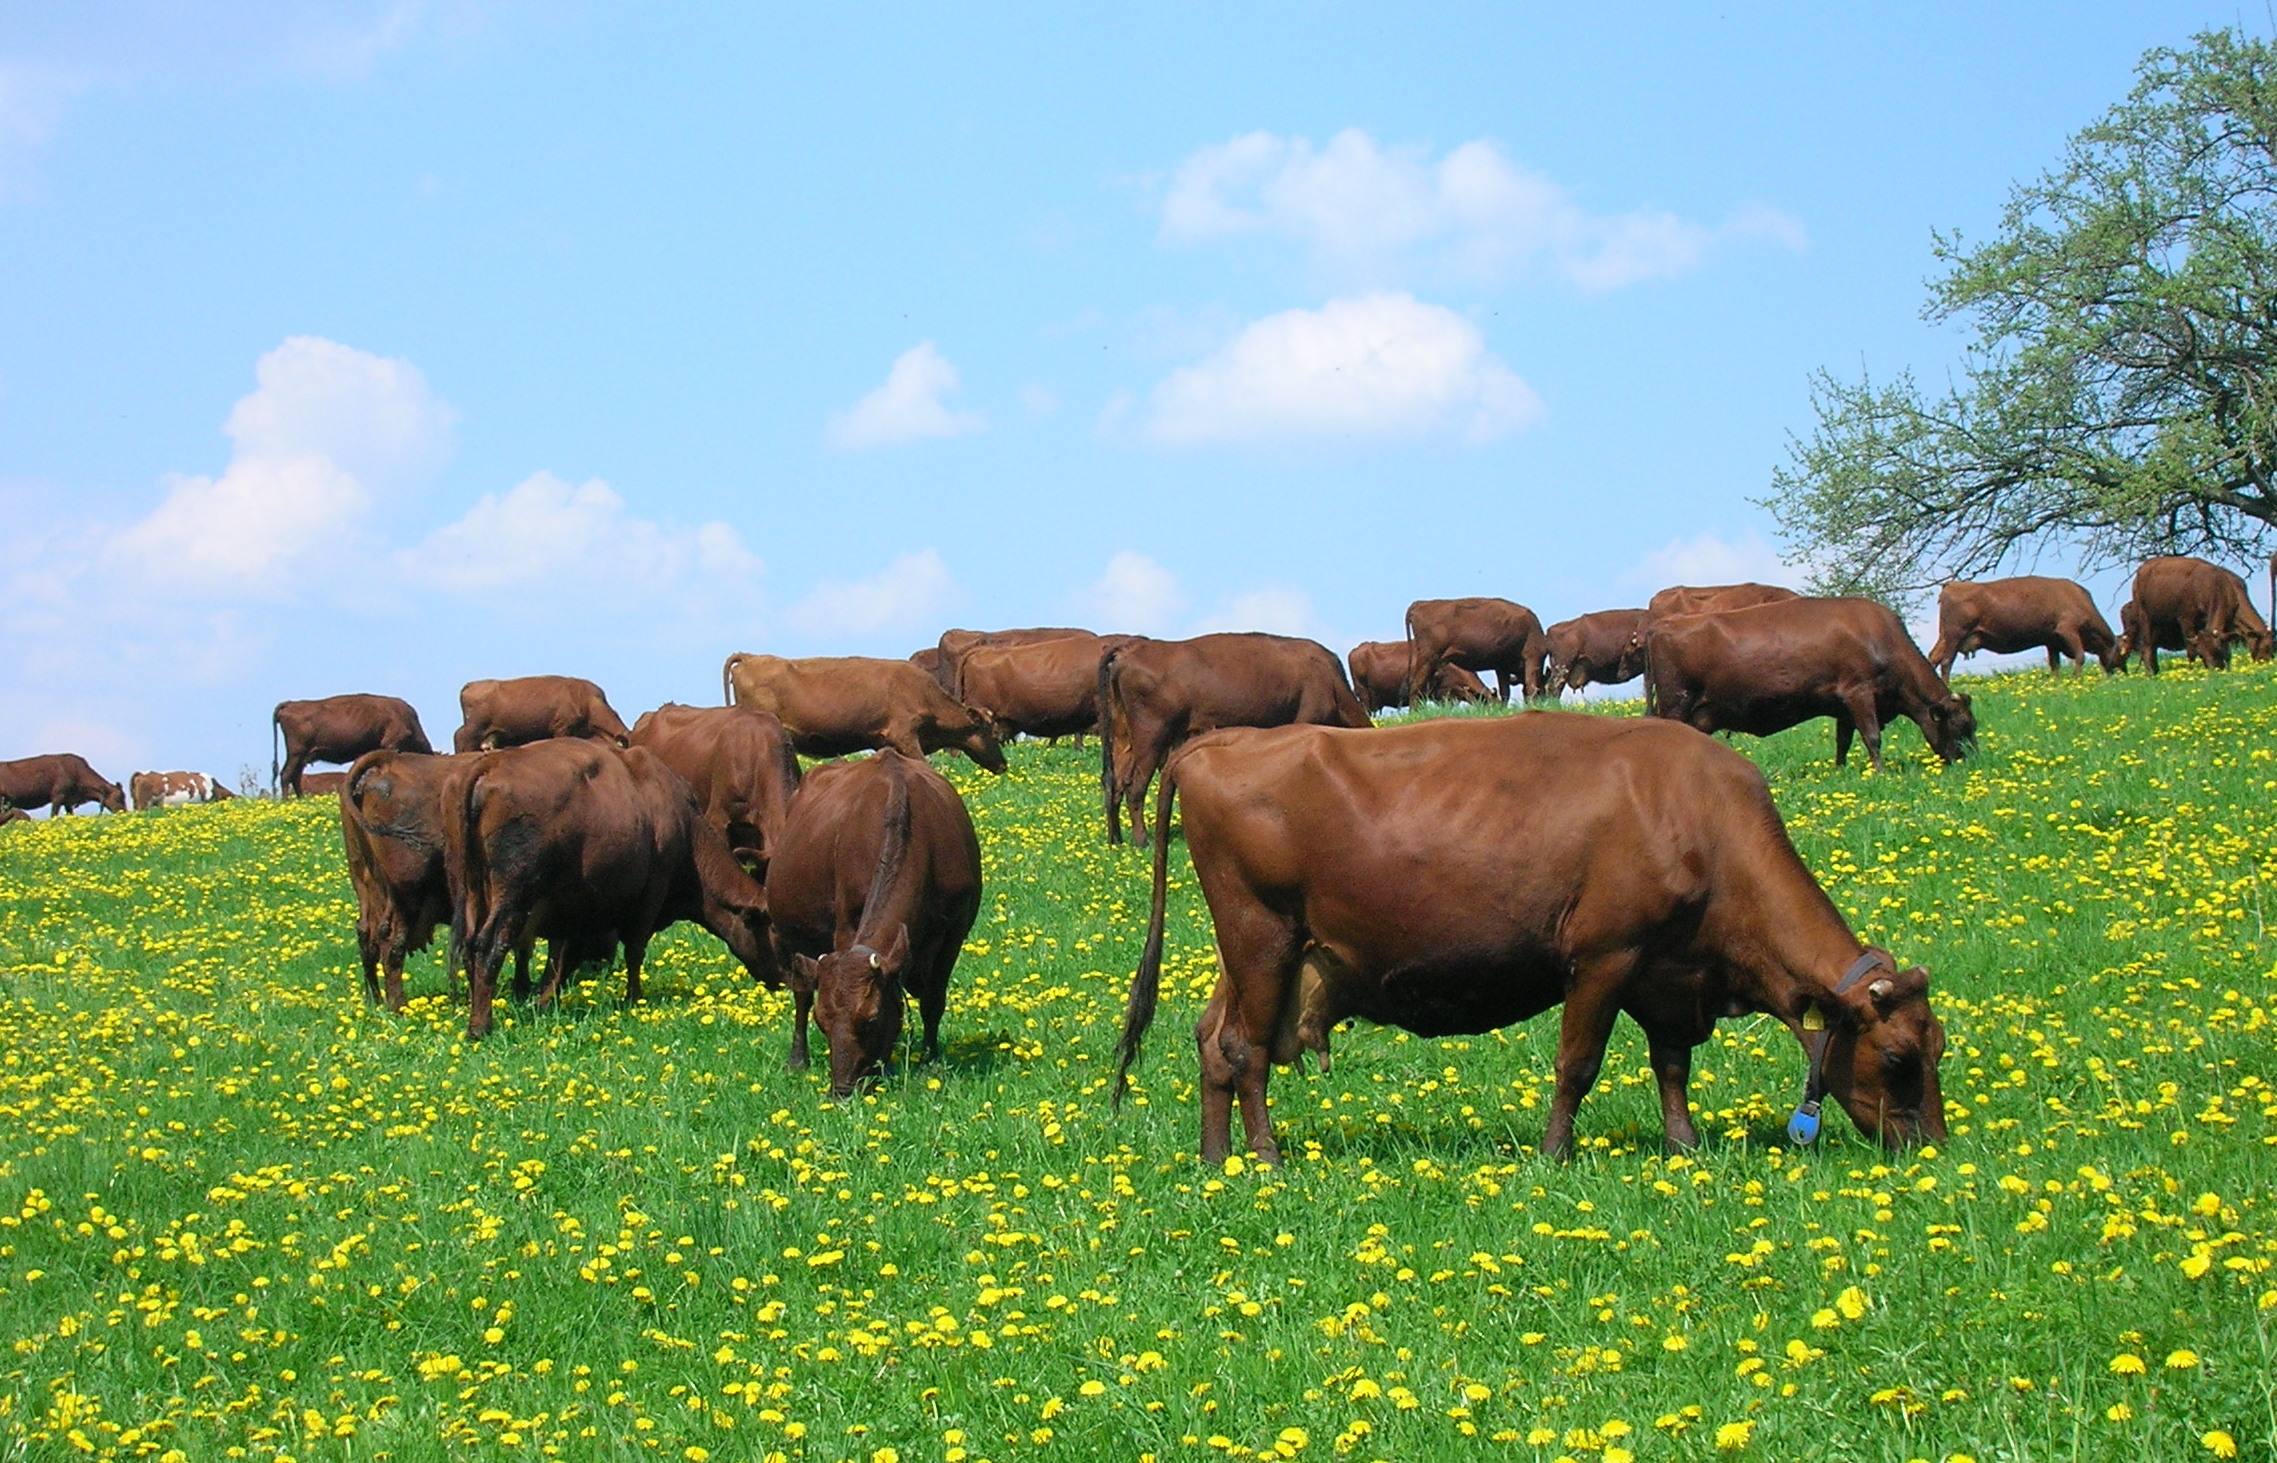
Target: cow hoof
796	1062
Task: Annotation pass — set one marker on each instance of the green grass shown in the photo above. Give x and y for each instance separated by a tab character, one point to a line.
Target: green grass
243	1215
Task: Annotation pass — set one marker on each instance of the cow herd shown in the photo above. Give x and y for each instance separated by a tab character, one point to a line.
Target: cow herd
1447	877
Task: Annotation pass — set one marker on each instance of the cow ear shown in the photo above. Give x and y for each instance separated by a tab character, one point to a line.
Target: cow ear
804	967
895	954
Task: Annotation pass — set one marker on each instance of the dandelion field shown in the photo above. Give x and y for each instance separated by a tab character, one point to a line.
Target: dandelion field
244	1215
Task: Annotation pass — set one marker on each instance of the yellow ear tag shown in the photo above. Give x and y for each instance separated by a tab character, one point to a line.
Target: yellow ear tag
1813	1019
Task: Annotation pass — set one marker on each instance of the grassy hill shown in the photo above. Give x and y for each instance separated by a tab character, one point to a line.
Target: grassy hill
243	1215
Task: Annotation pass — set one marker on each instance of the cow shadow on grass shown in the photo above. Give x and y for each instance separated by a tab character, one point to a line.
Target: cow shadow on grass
1455	1142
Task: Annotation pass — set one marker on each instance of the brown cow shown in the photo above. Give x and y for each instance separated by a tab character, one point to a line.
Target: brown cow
1044	688
955	645
1776	665
339	729
2023	613
928	660
585	846
1479	634
2181	603
874	888
173	789
10	813
740	764
1455	877
1379	677
833	705
325	784
62	780
1154	694
391	826
525	709
1703	599
1604	646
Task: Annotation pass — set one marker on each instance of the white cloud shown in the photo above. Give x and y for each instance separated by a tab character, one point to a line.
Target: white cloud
908	407
1274	609
325	427
1135	595
1709	558
1381	365
1366	209
908	594
561	540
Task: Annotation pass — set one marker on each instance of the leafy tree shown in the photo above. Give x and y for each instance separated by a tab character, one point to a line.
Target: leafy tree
2120	394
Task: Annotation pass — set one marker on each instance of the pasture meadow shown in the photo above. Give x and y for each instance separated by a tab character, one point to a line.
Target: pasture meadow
242	1215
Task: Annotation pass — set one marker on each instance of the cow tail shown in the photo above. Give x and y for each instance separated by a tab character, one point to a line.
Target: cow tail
463	870
1107	731
1146	981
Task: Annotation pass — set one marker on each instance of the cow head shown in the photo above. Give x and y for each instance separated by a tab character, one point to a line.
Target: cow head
2262	643
1883	1047
2113	656
112	797
1955	723
979	741
10	813
857	1002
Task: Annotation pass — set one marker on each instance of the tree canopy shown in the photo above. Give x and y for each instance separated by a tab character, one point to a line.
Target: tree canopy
2120	393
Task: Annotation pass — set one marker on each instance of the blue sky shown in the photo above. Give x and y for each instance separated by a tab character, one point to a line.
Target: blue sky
388	345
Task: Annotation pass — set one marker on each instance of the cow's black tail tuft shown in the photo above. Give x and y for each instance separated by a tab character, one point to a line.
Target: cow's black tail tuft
1146	981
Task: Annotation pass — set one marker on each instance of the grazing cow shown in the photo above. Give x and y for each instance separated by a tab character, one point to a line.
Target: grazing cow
1044	688
2182	603
340	729
173	789
1379	677
739	762
955	645
873	889
1776	665
61	780
10	813
525	709
1604	646
1482	634
833	705
2023	613
1455	877
585	846
326	784
1154	694
391	826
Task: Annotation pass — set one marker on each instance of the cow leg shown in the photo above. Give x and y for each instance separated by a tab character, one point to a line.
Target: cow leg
1592	1003
1942	655
561	956
1672	1069
1220	1076
1868	717
522	970
288	781
802	1006
933	1002
394	975
481	983
636	951
368	954
1844	730
1501	686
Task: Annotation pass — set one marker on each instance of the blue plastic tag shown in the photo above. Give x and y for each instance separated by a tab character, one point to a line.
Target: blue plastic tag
1802	1128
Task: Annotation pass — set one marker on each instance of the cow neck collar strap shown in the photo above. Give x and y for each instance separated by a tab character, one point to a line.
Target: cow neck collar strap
1802	1127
